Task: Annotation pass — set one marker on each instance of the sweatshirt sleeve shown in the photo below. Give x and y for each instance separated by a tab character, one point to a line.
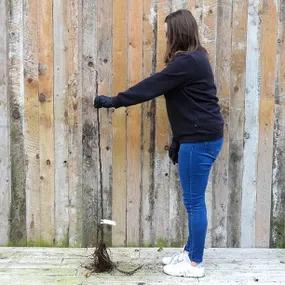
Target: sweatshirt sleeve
174	74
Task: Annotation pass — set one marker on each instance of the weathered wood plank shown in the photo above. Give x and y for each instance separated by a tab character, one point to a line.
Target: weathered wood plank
190	5
135	9
104	67
277	232
62	266
74	23
209	29
220	168
269	22
61	115
196	8
208	40
179	4
162	132
177	213
248	203
46	120
5	178
90	166
31	117
236	121
147	186
120	71
16	105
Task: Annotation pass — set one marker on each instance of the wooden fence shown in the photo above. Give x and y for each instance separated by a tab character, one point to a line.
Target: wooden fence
65	165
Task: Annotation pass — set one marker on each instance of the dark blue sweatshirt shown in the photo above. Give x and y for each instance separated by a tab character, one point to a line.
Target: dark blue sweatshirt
187	83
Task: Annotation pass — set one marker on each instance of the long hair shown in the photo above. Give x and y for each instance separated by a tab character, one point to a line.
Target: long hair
182	34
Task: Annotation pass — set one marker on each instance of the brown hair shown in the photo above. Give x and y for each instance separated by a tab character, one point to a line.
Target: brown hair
182	34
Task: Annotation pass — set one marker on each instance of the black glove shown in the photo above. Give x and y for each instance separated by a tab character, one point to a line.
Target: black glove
173	151
102	101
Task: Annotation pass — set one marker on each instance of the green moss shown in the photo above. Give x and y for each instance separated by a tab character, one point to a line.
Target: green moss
21	243
64	242
40	243
161	242
279	233
175	244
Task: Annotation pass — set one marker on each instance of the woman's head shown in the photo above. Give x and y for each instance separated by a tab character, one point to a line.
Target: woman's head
181	33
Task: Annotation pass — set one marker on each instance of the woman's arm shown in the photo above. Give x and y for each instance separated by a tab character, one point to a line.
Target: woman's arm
174	74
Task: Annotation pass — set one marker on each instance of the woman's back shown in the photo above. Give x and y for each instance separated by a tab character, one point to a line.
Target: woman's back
192	107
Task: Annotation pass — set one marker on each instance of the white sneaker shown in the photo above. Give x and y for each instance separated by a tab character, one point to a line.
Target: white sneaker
175	258
185	269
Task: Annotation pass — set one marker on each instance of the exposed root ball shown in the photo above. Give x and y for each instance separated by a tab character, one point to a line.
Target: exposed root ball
101	261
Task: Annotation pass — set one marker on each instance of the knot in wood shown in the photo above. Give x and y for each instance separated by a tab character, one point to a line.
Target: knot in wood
42	97
16	114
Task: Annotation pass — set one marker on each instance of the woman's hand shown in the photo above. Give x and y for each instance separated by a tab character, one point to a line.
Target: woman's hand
102	102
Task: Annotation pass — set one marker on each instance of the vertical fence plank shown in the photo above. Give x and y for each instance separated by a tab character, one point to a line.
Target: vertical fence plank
104	64
5	179
190	5
177	213
120	71
46	120
250	127
266	122
178	4
208	39
134	123
31	117
277	231
74	24
196	8
16	96
220	170
147	187
236	121
61	130
91	174
161	168
209	29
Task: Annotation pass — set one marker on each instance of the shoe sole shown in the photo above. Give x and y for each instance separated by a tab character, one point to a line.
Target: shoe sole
187	276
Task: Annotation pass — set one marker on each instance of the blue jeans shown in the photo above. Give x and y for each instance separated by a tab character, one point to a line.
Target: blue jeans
194	162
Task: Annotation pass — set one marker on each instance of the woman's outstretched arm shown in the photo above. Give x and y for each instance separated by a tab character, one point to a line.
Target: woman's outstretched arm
174	74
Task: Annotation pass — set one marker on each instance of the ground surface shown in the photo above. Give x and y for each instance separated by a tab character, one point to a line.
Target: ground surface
37	266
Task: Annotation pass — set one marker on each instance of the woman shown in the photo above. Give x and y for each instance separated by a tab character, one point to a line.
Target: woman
187	83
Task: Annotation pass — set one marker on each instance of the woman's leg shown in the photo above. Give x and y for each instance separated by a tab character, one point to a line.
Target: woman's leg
195	162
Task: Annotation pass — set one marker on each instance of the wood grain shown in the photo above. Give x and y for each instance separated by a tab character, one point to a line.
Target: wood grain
208	40
61	124
31	120
17	229
220	168
119	160
75	149
148	112
5	168
134	122
162	134
104	67
46	120
269	25
251	127
277	230
91	182
237	117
